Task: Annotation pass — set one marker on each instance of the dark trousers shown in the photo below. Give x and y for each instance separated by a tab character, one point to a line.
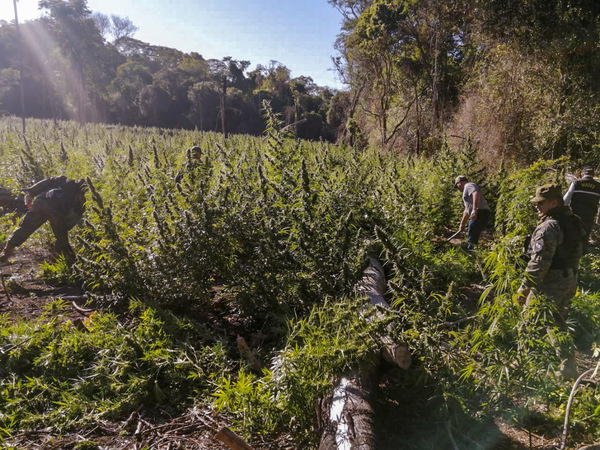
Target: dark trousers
587	230
476	227
43	210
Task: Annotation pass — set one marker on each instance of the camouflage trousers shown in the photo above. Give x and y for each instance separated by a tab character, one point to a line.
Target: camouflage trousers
46	210
560	286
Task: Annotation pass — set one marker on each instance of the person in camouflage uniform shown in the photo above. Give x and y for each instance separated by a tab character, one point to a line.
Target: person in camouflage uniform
58	200
554	252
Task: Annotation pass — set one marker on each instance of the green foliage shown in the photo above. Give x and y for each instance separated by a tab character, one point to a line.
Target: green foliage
250	401
589	267
585	317
518	78
404	86
267	238
85	445
56	374
331	340
78	74
514	211
5	225
57	272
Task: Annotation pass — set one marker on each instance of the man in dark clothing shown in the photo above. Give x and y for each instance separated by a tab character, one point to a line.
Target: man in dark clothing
583	197
476	212
554	252
58	200
11	203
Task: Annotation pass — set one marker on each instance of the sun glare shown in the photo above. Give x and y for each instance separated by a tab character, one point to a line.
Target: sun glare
63	78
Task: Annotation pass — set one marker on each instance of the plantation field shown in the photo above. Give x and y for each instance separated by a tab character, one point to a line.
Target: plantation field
265	239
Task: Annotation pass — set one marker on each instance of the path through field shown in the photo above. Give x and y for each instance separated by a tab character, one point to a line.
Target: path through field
24	292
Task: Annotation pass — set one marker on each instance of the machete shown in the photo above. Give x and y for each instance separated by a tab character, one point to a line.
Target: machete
453	236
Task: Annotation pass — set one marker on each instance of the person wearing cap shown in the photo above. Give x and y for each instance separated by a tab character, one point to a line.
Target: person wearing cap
193	156
554	252
583	197
476	213
58	200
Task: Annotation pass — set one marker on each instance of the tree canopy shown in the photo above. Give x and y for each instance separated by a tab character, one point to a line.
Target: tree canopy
519	79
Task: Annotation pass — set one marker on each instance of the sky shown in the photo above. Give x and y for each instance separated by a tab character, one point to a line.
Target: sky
299	34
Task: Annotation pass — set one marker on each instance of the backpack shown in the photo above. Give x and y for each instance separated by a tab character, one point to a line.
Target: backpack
568	254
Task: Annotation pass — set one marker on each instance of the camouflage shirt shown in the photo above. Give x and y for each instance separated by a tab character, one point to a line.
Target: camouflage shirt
65	194
549	256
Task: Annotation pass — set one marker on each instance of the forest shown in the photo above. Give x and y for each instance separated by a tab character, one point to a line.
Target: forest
88	67
309	254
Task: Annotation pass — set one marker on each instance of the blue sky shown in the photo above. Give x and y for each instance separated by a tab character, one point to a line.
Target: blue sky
297	33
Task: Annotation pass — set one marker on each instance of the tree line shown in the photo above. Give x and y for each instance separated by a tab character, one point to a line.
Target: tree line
516	79
513	80
88	66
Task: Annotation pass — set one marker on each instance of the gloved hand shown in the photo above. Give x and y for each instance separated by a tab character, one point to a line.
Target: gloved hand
28	200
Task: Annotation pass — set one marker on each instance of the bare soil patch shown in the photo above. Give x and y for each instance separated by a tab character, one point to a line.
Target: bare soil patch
24	292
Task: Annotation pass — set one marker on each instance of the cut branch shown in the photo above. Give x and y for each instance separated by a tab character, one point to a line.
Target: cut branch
231	440
243	346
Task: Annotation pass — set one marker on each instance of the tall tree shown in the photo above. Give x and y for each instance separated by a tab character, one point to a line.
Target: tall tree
124	92
102	22
205	101
121	27
73	27
404	60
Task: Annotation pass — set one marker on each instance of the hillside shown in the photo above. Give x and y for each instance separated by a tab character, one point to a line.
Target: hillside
266	239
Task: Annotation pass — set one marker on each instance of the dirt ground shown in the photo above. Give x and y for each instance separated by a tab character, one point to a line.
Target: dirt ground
24	293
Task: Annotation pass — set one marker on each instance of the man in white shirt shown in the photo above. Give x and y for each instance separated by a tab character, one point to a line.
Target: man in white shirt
477	211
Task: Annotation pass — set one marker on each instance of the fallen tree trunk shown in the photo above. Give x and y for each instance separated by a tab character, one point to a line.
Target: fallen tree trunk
373	284
350	423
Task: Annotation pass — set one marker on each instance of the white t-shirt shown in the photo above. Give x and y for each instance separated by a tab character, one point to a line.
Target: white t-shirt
467	196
